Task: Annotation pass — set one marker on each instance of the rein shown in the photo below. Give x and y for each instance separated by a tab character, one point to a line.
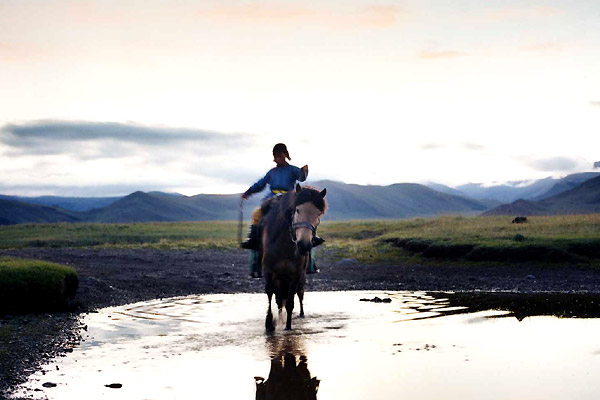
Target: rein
298	225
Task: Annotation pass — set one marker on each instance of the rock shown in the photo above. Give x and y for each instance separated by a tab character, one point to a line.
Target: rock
378	300
530	277
114	386
49	385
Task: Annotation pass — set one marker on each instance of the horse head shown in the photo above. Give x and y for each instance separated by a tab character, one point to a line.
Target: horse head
309	206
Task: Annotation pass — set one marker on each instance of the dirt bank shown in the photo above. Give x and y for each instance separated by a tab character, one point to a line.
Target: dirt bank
111	277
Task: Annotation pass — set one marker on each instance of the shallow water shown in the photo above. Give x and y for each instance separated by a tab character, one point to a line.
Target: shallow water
417	346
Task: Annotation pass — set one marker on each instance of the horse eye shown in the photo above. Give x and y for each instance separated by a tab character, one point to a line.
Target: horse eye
297	211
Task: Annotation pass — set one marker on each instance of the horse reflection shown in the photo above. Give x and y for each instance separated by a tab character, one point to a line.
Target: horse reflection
289	377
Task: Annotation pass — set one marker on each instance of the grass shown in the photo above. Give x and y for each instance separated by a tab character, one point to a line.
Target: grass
165	235
34	286
574	238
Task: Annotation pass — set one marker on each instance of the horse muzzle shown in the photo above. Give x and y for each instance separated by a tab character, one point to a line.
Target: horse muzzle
304	247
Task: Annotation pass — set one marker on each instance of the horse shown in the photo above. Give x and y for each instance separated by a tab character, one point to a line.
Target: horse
289	225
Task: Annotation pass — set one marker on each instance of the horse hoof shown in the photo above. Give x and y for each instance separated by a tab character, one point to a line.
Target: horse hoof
288	328
301	316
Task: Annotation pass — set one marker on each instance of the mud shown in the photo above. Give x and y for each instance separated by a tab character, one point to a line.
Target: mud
111	277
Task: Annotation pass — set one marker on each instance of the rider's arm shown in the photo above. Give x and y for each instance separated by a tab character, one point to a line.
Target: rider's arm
258	186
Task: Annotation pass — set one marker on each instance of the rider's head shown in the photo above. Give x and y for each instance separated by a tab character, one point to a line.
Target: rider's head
280	153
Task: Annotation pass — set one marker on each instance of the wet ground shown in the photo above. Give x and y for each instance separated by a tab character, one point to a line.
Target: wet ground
351	345
115	277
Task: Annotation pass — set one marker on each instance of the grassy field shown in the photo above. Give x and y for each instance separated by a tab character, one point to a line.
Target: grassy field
553	239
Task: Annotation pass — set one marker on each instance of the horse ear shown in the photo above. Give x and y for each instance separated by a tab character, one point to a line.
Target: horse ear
323	192
298	187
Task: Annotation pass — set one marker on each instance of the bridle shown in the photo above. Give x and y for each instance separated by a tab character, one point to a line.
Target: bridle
297	225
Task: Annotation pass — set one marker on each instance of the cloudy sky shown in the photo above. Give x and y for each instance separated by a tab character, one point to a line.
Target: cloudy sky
108	97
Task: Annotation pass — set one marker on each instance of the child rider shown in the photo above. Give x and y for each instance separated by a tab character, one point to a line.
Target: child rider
280	179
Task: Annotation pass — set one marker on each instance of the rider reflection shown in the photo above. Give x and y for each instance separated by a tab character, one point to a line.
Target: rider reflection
287	380
289	377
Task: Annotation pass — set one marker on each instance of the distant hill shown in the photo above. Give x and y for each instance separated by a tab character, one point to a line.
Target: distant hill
67	203
526	190
404	200
157	207
18	212
567	183
582	199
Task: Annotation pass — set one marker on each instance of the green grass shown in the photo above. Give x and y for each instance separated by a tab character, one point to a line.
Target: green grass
33	285
546	239
160	235
550	239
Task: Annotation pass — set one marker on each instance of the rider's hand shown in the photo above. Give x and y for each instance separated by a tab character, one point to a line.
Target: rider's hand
244	196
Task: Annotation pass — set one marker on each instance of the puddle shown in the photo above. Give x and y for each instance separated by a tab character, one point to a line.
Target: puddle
417	345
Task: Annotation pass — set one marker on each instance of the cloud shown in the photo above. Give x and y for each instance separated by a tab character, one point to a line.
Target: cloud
473	146
377	16
88	140
544	47
434	51
521	12
436	54
557	164
433	146
595	103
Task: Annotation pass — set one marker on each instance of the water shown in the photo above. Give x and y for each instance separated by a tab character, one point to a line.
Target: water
417	346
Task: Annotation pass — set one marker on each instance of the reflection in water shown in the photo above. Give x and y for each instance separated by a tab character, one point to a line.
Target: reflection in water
287	380
520	306
289	377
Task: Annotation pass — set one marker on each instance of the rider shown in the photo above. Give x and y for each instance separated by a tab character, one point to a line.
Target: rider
280	179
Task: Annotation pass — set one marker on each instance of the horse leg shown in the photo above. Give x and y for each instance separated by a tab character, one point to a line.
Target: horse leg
269	289
289	305
300	293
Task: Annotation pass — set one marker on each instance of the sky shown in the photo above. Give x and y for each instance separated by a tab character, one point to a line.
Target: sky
103	98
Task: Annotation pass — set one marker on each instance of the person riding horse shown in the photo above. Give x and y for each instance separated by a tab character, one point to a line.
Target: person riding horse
280	179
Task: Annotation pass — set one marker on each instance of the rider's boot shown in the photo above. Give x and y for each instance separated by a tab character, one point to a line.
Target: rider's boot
312	265
252	242
317	241
255	268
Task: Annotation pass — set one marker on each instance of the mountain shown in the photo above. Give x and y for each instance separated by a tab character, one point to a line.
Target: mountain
403	200
345	202
567	183
67	203
157	207
526	190
508	192
18	212
582	199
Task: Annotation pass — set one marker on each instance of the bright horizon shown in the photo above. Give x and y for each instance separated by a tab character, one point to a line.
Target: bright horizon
107	97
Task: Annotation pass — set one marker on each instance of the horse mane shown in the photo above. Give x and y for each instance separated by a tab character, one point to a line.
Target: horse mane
312	195
277	213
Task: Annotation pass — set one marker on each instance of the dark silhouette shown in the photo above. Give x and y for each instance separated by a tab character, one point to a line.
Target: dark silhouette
289	377
290	224
287	380
519	220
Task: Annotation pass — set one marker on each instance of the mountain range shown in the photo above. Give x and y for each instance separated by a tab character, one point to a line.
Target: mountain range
582	199
578	193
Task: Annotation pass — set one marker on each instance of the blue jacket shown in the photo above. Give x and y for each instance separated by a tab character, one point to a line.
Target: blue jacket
279	179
